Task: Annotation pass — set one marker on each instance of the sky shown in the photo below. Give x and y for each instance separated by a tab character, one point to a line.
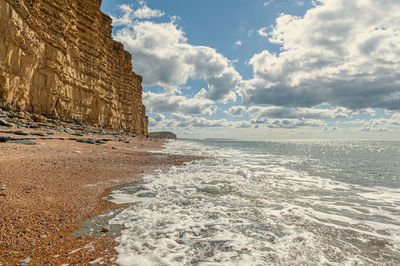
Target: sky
265	69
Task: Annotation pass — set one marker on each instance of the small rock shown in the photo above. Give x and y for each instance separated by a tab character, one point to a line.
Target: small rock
5	138
43	236
24	142
18	116
116	148
21	132
25	261
38	118
5	123
42	134
3	187
69	131
105	229
77	152
88	141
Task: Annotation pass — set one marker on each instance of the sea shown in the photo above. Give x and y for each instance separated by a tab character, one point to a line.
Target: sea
302	202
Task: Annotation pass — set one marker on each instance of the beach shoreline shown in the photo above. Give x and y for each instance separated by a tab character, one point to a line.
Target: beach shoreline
49	188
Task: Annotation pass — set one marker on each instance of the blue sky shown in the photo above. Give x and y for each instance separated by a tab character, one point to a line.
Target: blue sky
266	69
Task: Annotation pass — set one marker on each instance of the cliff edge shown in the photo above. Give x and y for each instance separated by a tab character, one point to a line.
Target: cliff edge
58	58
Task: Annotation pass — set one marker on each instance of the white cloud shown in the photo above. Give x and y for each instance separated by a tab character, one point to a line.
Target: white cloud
182	121
159	117
236	111
267	3
300	3
345	53
297	113
288	123
238	43
145	13
263	32
162	55
129	14
291	117
381	124
170	102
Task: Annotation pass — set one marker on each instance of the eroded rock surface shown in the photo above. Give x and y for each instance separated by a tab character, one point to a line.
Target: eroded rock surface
58	58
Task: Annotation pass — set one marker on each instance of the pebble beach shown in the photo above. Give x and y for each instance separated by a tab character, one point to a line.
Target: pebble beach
53	177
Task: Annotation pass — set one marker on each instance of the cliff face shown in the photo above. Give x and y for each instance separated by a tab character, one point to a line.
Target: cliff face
57	58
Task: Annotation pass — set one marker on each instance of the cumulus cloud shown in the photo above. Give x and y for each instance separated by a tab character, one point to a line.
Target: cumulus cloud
182	121
263	32
267	3
163	56
344	53
238	43
392	122
170	102
236	111
288	123
297	113
145	13
179	120
159	117
129	14
290	117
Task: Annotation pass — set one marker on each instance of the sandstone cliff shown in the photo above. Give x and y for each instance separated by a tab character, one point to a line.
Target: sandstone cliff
57	58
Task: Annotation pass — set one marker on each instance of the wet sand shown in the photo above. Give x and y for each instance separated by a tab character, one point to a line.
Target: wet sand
47	189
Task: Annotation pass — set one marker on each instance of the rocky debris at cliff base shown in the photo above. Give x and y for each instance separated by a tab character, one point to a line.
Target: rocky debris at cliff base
11	138
15	119
88	141
50	127
21	132
42	134
5	123
5	138
24	142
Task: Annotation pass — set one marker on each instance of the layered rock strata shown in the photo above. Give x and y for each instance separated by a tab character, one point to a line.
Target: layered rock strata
58	58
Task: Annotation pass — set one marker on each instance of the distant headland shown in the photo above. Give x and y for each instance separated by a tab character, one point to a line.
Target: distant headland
162	135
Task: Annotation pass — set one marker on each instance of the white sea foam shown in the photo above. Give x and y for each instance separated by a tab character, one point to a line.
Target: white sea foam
247	208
